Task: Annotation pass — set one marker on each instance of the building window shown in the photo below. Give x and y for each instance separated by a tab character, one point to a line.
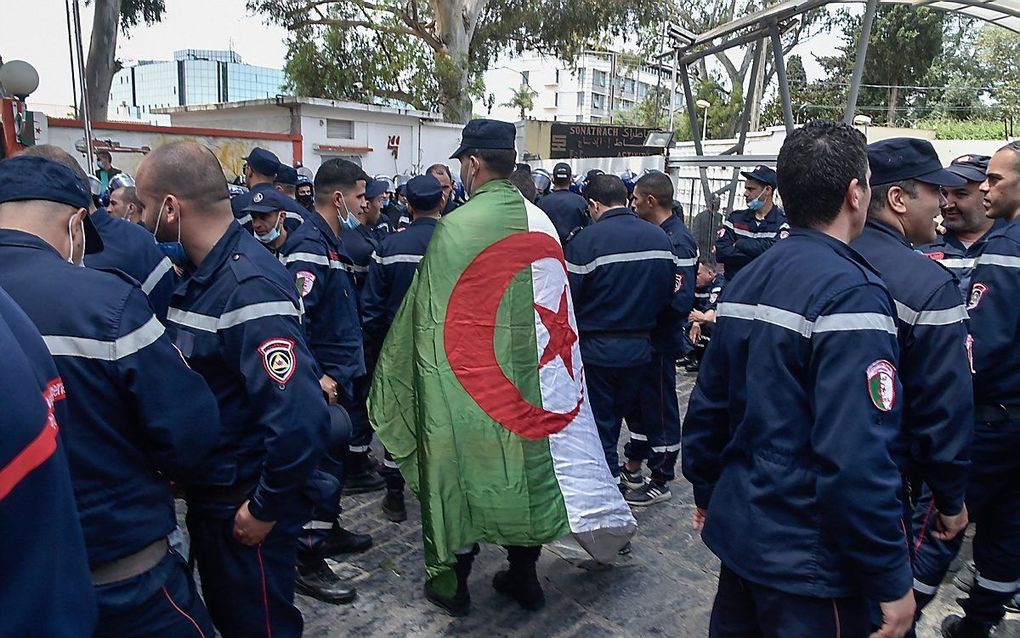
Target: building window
524	77
557	76
600	78
340	129
580	76
580	99
598	101
556	99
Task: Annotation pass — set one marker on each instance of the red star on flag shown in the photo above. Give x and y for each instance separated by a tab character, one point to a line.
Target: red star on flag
561	336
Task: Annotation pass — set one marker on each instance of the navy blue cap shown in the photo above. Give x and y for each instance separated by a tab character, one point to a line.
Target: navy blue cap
900	158
972	168
26	178
267	201
562	171
375	188
593	173
263	161
762	174
286	175
424	193
489	134
303	179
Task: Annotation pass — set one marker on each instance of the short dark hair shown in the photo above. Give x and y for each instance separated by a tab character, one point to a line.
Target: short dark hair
879	194
659	186
608	190
338	174
500	161
522	180
130	196
815	167
440	168
105	154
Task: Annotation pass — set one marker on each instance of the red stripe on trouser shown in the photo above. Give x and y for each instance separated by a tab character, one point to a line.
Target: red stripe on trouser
181	612
835	612
265	595
924	525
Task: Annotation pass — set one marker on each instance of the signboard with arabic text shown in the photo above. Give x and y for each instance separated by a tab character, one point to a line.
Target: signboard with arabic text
570	141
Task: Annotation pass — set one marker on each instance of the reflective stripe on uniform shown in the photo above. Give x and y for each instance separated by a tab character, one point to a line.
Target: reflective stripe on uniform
801	325
634	436
996	585
666	448
162	268
319	260
396	259
752	235
944	317
244	220
619	258
991	259
66	346
958	262
208	323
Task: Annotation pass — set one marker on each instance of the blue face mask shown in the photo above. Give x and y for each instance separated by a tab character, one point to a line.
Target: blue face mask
174	250
352	221
757	202
270	237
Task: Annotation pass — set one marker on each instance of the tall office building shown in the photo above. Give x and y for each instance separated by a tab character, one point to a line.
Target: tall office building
194	76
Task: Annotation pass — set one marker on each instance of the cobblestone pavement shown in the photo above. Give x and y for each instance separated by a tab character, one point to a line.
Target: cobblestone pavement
663	588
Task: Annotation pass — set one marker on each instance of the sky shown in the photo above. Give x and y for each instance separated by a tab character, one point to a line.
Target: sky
187	24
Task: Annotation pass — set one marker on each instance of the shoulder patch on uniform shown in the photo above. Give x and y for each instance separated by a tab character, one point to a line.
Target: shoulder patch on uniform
278	359
977	293
713	295
679	282
936	256
882	384
784	233
304	280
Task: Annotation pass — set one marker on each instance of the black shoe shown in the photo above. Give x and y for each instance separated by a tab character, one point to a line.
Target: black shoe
367	480
344	541
648	494
956	627
460	603
631	480
1013	606
393	506
693	366
526	591
318	581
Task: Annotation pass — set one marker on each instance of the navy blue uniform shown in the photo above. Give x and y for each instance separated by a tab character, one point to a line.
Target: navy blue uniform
132	249
959	259
238	324
566	210
705	297
993	493
743	238
296	213
128	434
360	243
46	589
655	425
622	274
787	437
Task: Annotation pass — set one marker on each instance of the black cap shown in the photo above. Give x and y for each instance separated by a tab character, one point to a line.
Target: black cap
424	193
562	171
263	161
900	158
593	173
762	174
489	134
268	201
26	178
375	188
286	175
970	167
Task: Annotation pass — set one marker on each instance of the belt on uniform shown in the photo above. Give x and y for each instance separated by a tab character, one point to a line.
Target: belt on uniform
130	566
229	494
995	412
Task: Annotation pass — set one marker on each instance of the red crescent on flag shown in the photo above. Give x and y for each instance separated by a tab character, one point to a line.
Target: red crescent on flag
469	335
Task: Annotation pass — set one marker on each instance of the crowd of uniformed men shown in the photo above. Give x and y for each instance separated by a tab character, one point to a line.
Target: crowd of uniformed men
858	404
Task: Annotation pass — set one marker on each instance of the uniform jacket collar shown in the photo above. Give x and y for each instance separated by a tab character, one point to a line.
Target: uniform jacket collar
951	239
21	239
322	226
837	246
886	231
219	254
616	212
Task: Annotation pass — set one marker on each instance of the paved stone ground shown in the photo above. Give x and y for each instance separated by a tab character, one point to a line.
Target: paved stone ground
663	588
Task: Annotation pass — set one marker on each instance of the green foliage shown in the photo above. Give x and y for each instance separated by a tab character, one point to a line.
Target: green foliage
953	129
134	11
523	100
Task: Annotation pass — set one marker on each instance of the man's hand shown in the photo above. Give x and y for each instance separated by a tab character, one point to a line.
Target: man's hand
696	315
897	617
695	332
249	530
698	520
947	527
329	388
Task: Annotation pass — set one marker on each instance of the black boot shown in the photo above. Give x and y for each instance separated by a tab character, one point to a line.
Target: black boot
460	603
393	506
344	541
956	627
520	582
316	579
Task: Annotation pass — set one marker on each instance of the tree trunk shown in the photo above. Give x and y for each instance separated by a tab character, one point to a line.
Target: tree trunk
890	114
100	66
455	23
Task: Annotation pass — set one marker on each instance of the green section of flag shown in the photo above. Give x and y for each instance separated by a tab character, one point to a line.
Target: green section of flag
476	480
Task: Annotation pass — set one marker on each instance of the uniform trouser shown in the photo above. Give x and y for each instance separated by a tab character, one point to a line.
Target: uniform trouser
655	423
613	393
361	432
993	504
394	479
744	609
249	590
324	490
161	603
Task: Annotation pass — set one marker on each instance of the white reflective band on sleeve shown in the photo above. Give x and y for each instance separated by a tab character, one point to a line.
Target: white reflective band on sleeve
666	448
945	317
751	235
357	268
685	263
991	259
244	220
357	449
162	268
799	324
319	260
855	321
292	215
208	323
62	346
317	525
995	585
397	259
958	262
643	255
390	464
634	436
928	590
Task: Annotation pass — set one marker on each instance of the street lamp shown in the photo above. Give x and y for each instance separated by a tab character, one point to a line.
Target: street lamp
703	105
19	79
864	122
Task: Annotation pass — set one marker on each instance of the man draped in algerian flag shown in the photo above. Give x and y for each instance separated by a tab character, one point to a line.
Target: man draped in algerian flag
479	392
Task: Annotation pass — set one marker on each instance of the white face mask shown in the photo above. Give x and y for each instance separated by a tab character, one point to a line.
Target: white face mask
159	218
70	241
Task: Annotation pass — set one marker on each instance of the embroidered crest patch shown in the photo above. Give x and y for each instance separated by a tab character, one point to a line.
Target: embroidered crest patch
278	359
783	234
977	292
882	384
936	256
679	282
304	280
257	198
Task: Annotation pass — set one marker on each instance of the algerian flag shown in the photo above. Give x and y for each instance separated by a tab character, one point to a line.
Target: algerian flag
479	392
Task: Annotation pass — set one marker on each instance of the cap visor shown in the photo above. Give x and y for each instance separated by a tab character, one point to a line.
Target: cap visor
93	242
968	173
460	151
942	177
